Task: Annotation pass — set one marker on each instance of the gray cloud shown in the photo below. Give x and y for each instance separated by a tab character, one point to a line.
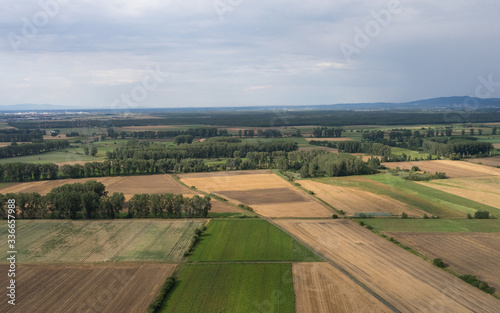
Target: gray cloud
261	53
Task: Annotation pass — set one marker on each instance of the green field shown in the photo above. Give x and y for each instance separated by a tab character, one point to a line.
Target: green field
248	240
434	225
214	288
101	240
414	154
429	200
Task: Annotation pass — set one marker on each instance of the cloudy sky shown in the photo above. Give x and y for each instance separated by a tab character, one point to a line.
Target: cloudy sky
198	53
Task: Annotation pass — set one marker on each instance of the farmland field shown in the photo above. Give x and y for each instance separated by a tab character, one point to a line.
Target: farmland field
453	169
466	253
242	288
248	240
101	241
61	288
492	161
406	281
265	192
434	225
353	200
330	139
321	288
484	190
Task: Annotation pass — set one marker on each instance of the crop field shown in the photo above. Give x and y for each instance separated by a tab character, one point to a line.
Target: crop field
492	161
329	139
61	288
407	282
265	192
485	190
102	241
248	240
353	200
434	225
242	288
453	169
466	253
321	288
59	157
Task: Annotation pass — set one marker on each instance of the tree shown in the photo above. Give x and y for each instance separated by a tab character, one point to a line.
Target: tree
93	151
86	150
404	215
139	205
482	215
494	130
438	262
90	203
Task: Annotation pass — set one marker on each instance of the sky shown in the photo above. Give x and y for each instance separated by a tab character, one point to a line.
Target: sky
203	53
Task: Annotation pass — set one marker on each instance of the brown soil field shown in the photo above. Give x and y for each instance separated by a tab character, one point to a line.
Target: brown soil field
58	137
496	145
353	200
107	288
453	169
493	161
484	190
321	288
329	139
406	281
333	150
466	253
267	193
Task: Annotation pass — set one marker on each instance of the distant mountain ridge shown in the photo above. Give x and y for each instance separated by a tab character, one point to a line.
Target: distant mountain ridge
455	103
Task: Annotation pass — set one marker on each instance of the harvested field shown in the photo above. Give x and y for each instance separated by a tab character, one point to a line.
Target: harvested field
354	200
321	288
406	281
102	240
453	169
493	161
466	253
484	190
496	145
85	288
267	193
329	139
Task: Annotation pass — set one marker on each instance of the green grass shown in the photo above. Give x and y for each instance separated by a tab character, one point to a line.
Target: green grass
248	240
414	154
214	288
434	225
66	155
446	200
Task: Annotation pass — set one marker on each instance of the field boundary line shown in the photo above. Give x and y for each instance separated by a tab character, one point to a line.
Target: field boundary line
385	302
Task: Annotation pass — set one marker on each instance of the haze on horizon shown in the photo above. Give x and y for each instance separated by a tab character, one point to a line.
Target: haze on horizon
153	53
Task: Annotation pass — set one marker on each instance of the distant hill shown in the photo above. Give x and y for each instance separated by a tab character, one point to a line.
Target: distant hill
456	103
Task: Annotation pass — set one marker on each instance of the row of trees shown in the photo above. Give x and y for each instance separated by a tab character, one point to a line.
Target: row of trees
169	205
326	132
71	201
25	135
32	148
460	148
372	148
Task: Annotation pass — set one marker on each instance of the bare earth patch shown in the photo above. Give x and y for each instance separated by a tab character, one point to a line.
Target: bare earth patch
453	169
406	281
267	193
321	288
493	161
466	253
496	145
110	288
352	200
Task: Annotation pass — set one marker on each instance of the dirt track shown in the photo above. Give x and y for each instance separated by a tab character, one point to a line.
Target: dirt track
106	288
321	288
453	169
352	200
466	253
406	281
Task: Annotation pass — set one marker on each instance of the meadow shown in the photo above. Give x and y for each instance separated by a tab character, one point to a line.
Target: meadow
248	240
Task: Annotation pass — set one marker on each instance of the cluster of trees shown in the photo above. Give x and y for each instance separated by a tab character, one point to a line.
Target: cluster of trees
326	132
200	132
72	134
71	201
457	148
32	148
472	280
20	172
24	135
219	148
372	148
266	133
169	205
183	139
329	164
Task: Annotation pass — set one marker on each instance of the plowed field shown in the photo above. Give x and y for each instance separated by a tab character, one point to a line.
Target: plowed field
453	169
110	288
404	280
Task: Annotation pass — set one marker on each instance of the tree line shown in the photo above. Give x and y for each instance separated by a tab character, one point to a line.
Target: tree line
90	200
24	135
326	132
16	150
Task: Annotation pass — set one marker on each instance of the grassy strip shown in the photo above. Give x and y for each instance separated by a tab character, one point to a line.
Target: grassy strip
168	286
434	225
